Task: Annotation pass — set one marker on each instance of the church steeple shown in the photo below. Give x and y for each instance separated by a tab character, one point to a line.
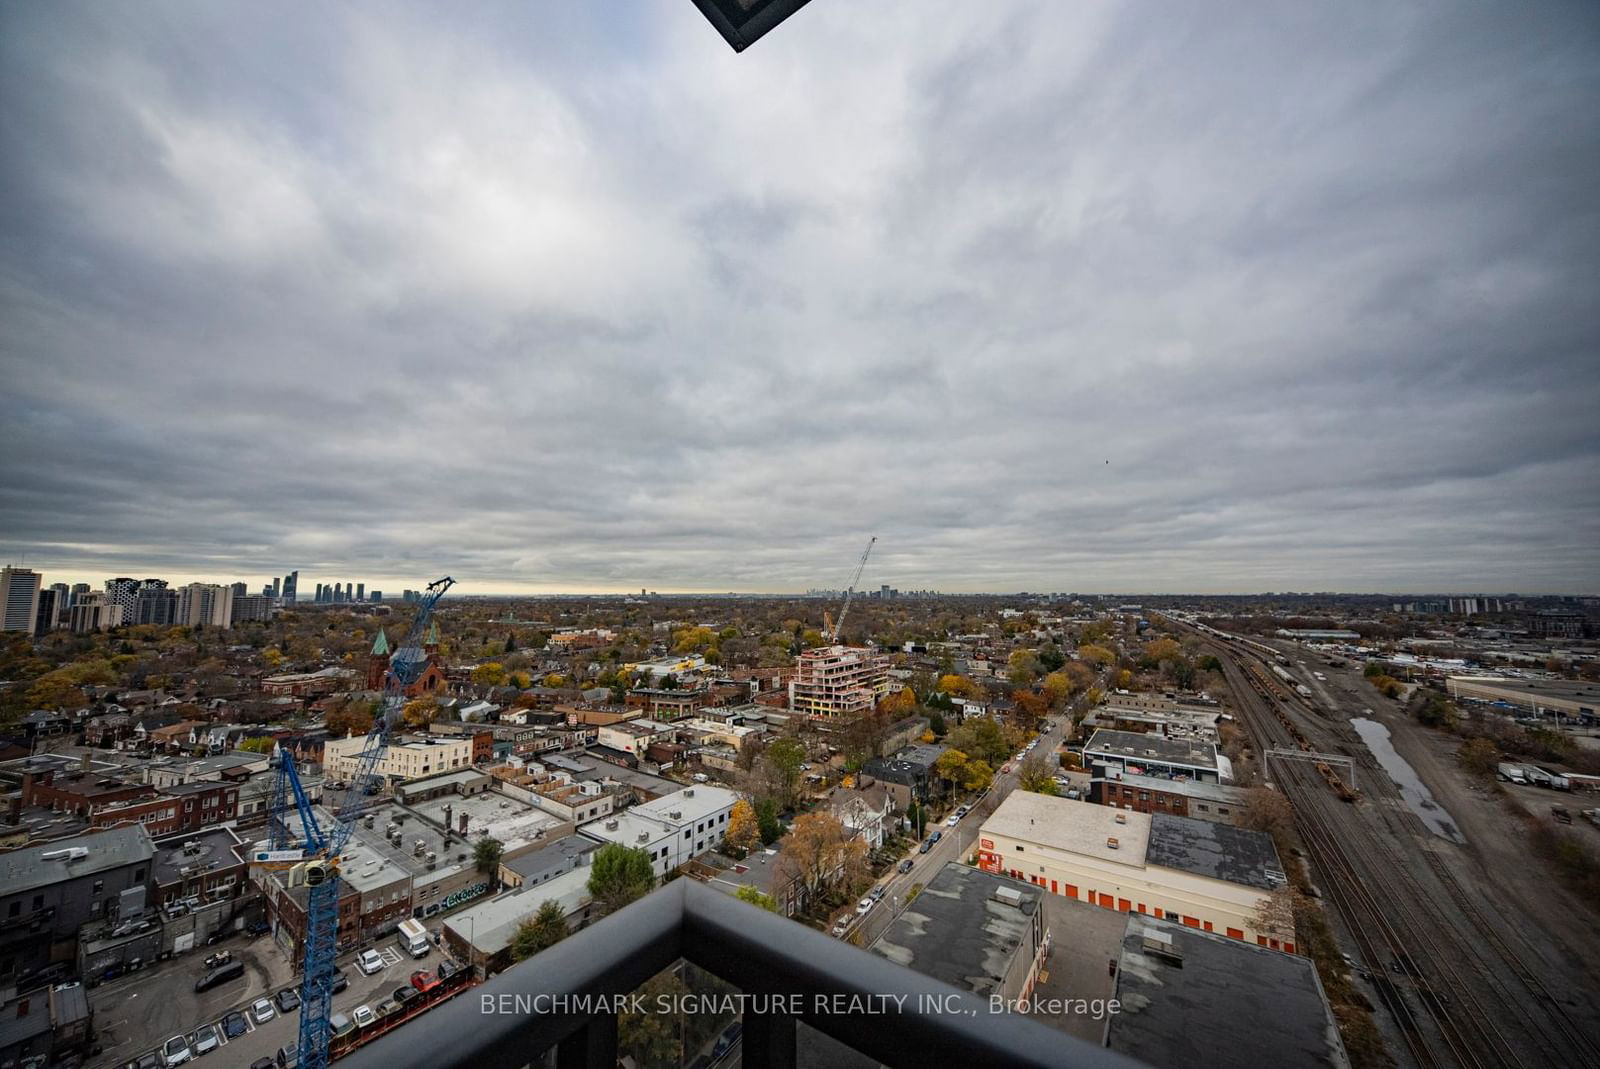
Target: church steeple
430	642
380	645
378	663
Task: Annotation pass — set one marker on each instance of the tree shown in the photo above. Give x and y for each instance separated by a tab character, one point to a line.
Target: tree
744	829
1096	654
648	1037
749	894
420	712
486	856
898	704
960	687
1022	668
984	739
950	765
350	718
272	657
1478	756
1057	688
619	875
819	853
1036	775
511	643
1270	812
976	774
767	821
259	744
544	929
1274	916
489	674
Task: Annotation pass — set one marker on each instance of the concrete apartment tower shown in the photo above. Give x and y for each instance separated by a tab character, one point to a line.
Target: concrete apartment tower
19	598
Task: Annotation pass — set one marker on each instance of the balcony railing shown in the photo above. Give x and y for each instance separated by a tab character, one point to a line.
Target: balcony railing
765	956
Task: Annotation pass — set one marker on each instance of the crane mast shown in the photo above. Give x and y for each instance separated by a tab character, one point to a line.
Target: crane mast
838	628
319	872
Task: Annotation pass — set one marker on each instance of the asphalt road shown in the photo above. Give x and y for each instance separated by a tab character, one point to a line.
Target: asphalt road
953	845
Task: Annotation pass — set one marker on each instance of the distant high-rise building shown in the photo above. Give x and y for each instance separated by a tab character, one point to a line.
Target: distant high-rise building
78	591
155	604
349	591
63	597
239	589
19	599
49	615
377	596
318	595
95	611
252	607
289	583
361	592
205	605
124	592
272	589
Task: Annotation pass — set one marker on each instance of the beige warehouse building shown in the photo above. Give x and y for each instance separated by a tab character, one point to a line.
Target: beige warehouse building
1193	872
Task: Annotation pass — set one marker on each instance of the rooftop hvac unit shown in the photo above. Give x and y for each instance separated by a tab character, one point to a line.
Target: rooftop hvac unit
1111	843
432	857
1122	818
611	825
1161	945
1011	896
676	814
644	837
419	847
688	792
369	820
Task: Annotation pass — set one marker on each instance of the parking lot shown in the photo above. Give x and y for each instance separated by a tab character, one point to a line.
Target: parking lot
137	1014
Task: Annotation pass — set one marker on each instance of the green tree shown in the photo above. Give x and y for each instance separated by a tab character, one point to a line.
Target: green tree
749	894
619	875
651	1038
490	674
486	854
544	929
950	766
259	744
768	822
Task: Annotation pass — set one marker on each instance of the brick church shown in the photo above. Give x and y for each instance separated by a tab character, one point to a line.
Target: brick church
429	681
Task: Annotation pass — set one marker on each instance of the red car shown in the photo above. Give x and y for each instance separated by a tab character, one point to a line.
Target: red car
424	981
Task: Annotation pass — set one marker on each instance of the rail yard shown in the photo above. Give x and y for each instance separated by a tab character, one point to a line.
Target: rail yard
1459	975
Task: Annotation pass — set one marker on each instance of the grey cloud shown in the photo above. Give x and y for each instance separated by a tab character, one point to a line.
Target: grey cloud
556	297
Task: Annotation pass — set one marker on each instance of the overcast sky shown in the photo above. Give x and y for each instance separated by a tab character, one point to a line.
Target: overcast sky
570	296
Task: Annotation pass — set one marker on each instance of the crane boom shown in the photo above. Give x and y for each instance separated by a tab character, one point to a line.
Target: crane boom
851	592
322	875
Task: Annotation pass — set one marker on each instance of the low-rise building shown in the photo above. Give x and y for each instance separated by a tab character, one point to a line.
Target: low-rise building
672	829
635	736
1183	798
1155	755
554	858
1195	872
867	811
907	774
410	758
49	891
1183	995
482	935
309	684
205	866
972	930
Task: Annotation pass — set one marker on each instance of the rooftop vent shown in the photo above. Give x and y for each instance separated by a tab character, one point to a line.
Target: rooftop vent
644	837
1011	896
1111	843
1122	818
611	825
688	792
1161	945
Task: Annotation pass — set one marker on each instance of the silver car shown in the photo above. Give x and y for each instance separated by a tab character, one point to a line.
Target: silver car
175	1051
205	1039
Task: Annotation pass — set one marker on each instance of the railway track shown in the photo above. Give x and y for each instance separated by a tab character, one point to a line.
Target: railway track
1454	1006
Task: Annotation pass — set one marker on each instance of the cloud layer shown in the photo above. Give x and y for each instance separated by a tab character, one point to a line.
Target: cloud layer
566	297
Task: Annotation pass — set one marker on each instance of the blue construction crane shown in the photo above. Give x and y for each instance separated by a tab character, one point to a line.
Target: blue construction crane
313	860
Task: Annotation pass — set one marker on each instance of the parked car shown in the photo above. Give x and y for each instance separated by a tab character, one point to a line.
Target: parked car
175	1051
363	1016
370	962
927	844
258	927
288	1000
150	1059
424	981
906	865
953	820
865	905
340	1024
403	994
842	927
263	1063
936	836
261	1011
205	1039
234	1025
962	811
386	1007
876	894
220	975
221	957
448	969
288	1056
340	981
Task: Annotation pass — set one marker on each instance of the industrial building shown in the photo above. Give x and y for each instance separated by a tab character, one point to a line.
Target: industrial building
1191	998
672	829
1194	872
1143	754
1179	797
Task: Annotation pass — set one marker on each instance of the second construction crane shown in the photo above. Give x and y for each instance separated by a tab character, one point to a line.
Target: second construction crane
833	634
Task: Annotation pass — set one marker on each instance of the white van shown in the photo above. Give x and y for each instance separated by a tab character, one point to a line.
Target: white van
413	938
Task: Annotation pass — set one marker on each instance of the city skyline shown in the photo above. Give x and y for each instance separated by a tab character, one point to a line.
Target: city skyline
566	298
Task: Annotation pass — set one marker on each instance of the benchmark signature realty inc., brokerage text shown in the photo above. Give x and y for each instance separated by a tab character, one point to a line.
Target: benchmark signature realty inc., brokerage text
793	1005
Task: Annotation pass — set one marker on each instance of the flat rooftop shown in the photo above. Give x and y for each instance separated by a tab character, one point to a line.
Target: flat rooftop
212	848
1133	745
514	823
1210	1007
1192	788
1220	851
489	926
959	932
557	856
1071	826
27	868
